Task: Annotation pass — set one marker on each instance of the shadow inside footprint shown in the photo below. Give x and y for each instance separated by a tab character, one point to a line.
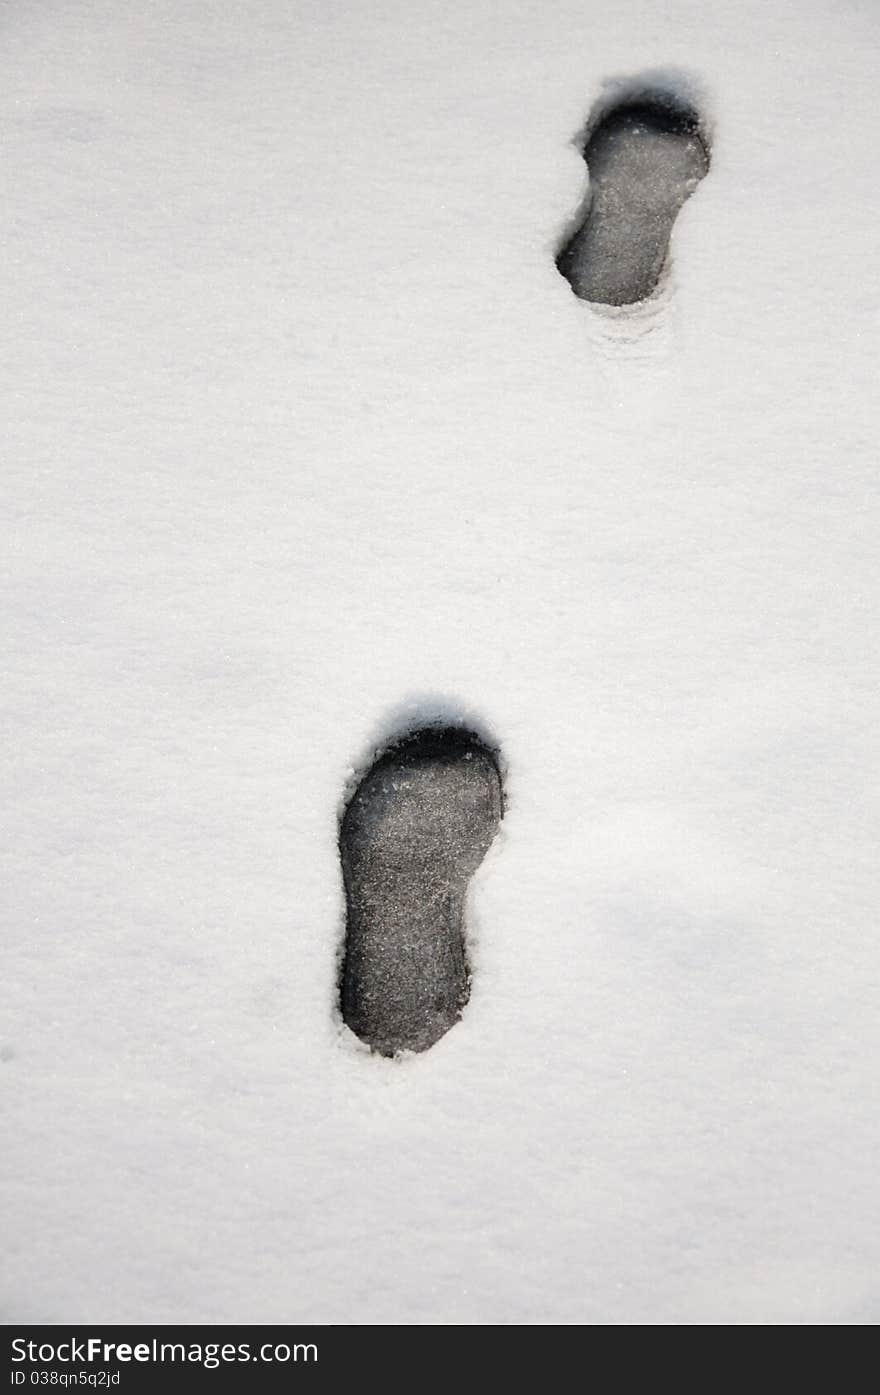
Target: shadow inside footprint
645	159
415	830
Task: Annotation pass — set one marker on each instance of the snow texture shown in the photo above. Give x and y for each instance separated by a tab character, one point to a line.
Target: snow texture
307	442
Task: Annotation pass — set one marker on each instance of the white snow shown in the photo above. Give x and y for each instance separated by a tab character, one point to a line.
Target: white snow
306	437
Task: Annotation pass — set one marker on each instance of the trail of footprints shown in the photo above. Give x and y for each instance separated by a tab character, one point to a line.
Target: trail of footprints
421	820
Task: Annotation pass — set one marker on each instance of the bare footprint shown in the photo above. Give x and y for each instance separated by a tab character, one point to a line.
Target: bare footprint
645	159
416	829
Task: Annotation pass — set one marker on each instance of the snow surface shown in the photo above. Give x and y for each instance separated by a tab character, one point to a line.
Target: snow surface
307	439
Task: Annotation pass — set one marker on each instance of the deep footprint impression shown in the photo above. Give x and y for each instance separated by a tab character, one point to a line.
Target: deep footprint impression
415	830
645	159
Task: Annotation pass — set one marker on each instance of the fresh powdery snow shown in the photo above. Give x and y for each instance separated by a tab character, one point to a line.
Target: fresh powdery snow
307	443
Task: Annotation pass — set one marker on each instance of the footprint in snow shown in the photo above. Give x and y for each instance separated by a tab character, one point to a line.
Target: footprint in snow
645	158
415	830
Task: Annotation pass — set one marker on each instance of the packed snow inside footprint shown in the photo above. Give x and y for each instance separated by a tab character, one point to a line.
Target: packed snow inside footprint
645	159
415	831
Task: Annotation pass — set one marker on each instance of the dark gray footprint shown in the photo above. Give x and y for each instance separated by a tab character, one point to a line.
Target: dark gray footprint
416	829
645	159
